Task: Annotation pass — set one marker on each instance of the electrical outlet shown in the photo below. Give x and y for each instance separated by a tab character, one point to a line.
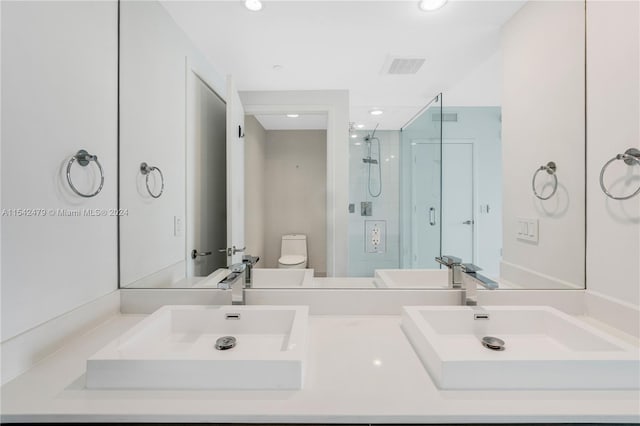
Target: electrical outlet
375	235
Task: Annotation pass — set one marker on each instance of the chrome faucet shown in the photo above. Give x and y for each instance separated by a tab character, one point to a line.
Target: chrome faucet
455	269
471	279
249	261
235	282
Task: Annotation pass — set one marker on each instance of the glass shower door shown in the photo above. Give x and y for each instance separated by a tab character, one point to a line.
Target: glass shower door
426	203
422	188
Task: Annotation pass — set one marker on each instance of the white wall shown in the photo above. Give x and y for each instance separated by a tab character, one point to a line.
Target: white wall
59	94
254	165
155	53
543	120
613	118
152	129
296	193
336	104
482	86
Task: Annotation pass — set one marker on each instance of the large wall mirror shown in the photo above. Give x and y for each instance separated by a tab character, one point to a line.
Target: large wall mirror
485	161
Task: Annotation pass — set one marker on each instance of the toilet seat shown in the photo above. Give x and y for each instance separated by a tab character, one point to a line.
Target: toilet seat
291	259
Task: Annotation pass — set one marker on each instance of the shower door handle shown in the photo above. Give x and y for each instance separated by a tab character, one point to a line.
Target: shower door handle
432	216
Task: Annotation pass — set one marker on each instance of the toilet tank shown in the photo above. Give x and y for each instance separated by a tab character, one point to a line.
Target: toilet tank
294	244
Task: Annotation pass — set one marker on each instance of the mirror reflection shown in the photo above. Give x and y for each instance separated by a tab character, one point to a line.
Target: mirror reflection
344	167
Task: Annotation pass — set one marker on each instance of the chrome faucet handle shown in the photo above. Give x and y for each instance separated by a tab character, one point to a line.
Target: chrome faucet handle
250	262
470	268
229	280
453	264
448	260
235	283
238	267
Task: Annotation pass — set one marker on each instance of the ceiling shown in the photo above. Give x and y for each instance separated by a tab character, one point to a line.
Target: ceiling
302	122
334	45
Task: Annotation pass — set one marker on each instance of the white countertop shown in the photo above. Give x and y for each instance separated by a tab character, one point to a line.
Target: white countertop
361	369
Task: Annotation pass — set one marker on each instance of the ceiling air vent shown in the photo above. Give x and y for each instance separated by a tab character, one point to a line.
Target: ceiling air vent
404	65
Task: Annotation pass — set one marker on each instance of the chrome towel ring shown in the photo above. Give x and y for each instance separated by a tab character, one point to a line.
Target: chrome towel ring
550	168
146	170
630	157
84	158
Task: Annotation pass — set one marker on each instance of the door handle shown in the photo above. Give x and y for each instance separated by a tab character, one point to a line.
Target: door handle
432	216
237	250
195	253
225	250
468	222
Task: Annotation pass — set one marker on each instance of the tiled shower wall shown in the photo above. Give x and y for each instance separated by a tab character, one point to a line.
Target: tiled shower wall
384	207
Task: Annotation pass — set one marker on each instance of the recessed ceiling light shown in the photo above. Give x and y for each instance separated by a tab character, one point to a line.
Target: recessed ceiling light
358	143
354	136
376	111
253	5
293	115
430	5
360	126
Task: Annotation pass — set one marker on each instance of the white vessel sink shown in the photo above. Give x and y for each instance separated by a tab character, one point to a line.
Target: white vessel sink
411	278
174	348
281	278
544	349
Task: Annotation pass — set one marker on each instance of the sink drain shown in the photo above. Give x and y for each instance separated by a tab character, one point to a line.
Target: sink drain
226	342
493	343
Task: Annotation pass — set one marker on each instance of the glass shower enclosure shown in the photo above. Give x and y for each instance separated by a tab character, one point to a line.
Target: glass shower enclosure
421	206
433	187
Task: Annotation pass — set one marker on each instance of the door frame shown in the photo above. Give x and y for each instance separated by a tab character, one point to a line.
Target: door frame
331	212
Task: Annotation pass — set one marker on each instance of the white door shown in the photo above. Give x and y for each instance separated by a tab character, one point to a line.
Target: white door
215	177
207	183
457	199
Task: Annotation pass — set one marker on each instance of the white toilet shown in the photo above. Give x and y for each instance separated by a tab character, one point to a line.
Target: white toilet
293	252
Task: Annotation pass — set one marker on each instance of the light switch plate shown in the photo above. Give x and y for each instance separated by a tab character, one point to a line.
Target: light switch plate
178	226
527	229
